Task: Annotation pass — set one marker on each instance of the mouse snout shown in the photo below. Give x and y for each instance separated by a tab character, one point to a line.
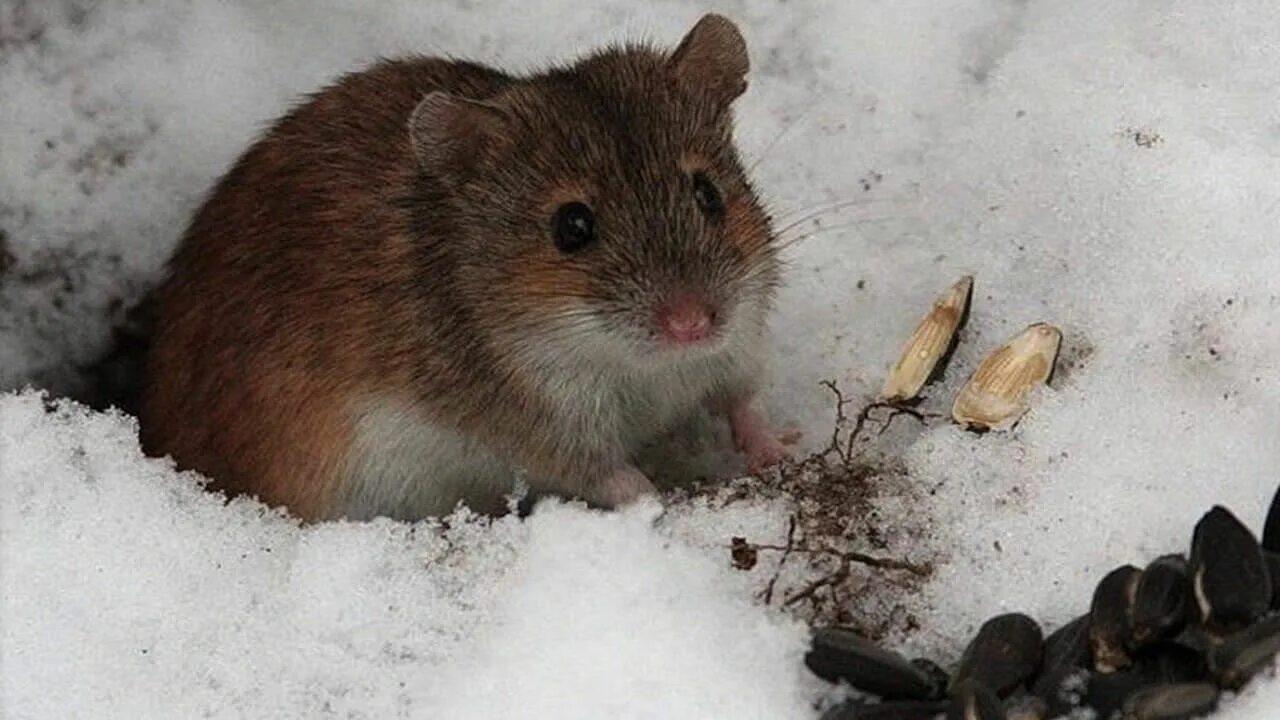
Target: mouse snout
686	318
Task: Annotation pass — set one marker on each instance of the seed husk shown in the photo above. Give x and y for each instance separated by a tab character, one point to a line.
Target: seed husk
1006	651
925	354
1228	571
842	654
995	396
1109	619
1162	600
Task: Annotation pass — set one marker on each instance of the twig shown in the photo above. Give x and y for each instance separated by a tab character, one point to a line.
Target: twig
886	563
839	421
852	556
899	410
844	450
786	552
832	580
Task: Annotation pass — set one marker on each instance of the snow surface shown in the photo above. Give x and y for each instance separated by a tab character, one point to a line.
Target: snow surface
1108	167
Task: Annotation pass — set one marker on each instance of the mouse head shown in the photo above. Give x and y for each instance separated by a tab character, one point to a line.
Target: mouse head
602	207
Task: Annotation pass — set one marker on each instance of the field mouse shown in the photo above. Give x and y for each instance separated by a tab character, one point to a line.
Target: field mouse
433	277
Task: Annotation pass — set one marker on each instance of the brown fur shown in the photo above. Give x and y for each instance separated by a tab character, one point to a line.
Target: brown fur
339	259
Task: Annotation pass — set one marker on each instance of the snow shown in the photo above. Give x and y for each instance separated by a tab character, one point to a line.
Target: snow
151	598
1110	168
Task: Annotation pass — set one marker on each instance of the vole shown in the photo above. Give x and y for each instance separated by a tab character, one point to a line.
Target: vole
433	277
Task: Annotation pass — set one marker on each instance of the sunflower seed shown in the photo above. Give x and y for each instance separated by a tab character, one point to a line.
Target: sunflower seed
996	394
1243	654
926	352
1006	651
910	710
841	654
974	701
1228	572
1171	702
1066	653
1271	529
1109	619
1161	601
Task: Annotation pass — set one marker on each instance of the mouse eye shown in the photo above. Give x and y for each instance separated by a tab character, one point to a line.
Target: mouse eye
708	197
574	226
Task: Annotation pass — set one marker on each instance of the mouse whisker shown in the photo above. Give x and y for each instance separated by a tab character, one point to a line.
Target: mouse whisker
791	125
787	243
796	218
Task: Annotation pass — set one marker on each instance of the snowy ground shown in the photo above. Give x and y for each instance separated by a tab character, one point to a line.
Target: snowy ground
1113	168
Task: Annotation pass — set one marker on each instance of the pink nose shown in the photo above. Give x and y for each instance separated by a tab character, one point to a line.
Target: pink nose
685	318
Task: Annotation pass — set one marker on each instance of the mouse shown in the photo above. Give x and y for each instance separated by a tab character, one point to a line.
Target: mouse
433	281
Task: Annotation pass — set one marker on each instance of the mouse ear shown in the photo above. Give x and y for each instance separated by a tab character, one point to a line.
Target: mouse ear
713	57
452	133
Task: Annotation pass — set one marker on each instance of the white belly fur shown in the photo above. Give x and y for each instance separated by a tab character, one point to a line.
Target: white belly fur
405	466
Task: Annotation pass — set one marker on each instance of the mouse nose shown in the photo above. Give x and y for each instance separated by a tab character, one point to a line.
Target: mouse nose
685	318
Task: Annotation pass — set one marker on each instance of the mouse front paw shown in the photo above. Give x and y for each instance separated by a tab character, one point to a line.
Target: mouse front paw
622	487
764	452
753	438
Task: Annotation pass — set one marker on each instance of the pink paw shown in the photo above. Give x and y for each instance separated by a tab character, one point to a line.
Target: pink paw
623	487
763	452
754	438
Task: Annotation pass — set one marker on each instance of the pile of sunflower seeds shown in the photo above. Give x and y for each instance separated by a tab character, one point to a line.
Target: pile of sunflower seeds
1158	643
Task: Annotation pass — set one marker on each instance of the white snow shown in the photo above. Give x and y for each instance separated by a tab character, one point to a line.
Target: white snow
1113	168
131	592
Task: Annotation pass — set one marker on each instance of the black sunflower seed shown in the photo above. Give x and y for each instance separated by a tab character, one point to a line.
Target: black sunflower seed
908	710
974	701
1006	652
1171	702
842	654
1241	655
1066	653
1161	600
1109	619
1228	572
1271	529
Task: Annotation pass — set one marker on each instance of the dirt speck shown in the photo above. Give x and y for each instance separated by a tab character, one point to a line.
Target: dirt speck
1145	138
